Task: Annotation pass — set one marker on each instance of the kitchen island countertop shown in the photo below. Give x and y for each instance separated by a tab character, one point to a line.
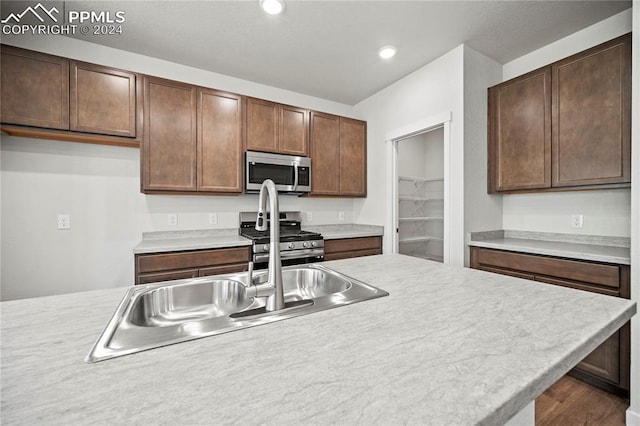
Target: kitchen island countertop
449	345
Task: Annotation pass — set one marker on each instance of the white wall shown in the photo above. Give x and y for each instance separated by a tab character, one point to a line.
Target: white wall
606	212
435	89
633	413
99	186
482	211
412	155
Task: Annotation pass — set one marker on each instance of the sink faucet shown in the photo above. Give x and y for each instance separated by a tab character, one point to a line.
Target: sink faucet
272	289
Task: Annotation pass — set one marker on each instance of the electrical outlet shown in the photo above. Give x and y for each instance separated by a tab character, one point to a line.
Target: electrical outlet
213	218
577	220
340	215
309	216
64	221
172	219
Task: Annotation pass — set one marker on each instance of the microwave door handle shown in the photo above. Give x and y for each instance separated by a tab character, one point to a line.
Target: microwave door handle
295	177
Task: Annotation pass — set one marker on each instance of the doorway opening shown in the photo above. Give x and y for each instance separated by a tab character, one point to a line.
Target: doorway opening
419	199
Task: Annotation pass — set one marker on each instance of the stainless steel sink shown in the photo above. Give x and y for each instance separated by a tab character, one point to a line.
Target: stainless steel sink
170	312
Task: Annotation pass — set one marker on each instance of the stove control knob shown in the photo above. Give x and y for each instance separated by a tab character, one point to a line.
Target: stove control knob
265	247
313	244
291	245
305	244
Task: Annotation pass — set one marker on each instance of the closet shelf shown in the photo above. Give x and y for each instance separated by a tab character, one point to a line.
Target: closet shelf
419	239
419	219
410	198
419	179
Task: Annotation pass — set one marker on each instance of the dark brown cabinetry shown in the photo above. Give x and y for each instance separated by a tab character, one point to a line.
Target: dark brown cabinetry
102	100
338	156
168	157
353	157
219	142
50	97
157	267
277	128
347	248
193	139
35	89
520	132
564	126
608	365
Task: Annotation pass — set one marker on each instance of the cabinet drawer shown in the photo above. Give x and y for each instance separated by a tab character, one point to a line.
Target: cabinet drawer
166	276
351	244
600	274
193	259
227	269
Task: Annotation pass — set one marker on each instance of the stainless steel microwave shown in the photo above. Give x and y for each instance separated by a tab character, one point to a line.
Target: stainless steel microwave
291	174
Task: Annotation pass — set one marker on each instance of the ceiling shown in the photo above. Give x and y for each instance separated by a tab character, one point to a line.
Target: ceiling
328	49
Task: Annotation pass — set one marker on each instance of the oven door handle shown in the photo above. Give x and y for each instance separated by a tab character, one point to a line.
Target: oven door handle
292	254
295	177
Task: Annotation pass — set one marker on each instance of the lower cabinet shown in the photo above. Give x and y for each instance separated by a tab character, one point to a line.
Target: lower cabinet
608	365
346	248
155	267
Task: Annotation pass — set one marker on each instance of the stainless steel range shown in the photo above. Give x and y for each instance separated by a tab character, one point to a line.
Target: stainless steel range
296	246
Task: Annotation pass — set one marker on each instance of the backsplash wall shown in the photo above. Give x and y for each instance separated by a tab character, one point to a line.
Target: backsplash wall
606	212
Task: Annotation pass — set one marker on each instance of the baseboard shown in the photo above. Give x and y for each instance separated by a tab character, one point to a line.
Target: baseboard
633	418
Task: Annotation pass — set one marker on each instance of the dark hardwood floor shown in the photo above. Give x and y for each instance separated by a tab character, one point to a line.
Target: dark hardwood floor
572	402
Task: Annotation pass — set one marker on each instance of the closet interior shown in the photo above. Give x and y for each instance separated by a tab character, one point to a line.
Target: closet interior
421	195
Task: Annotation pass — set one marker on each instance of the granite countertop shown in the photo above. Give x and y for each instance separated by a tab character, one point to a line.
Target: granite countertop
168	241
449	345
349	230
572	246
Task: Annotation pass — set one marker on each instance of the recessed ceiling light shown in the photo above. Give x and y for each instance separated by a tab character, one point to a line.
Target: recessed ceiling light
272	7
387	52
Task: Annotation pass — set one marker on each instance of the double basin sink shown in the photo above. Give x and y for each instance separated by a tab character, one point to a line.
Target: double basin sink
154	315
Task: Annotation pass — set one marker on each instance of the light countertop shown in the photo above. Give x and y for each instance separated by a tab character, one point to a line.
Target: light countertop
449	345
582	247
168	241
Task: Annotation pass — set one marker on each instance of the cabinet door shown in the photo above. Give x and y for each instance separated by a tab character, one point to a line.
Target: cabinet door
353	157
347	248
262	125
34	89
219	141
293	130
169	143
103	100
592	116
520	133
325	154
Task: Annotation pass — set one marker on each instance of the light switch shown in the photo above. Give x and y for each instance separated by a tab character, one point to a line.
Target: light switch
172	219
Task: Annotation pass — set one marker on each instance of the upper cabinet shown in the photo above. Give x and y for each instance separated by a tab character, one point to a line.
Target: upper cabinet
220	146
277	128
520	132
35	89
168	157
103	100
564	126
192	139
57	98
338	156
